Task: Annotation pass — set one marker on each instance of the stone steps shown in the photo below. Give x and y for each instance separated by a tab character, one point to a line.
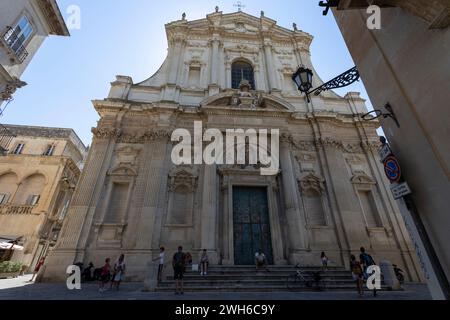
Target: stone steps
246	278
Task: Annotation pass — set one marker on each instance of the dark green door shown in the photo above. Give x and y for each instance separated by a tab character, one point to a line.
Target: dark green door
251	225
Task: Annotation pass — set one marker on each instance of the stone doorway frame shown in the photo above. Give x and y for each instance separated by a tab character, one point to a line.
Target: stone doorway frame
236	176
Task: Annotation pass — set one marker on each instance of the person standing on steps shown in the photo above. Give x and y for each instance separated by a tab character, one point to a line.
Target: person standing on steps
204	261
179	264
161	263
357	274
324	259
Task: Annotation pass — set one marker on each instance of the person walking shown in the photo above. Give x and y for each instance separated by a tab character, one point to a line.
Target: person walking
105	275
204	261
119	272
324	259
161	257
37	268
357	274
366	261
179	264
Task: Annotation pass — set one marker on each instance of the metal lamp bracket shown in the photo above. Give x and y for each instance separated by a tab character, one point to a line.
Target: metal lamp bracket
379	113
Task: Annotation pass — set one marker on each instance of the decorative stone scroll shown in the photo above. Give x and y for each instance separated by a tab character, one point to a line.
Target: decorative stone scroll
349	147
106	133
182	177
312	181
136	137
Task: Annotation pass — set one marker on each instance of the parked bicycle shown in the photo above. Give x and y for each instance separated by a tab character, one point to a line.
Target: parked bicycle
300	280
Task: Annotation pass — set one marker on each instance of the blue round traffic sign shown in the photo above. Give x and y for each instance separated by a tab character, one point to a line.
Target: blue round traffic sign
392	169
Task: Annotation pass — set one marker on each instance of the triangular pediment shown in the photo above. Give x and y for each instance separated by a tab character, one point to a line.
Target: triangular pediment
236	23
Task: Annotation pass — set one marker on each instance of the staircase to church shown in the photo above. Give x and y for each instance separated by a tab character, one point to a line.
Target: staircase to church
245	278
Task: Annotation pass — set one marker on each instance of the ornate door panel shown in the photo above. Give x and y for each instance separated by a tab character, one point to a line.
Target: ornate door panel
251	224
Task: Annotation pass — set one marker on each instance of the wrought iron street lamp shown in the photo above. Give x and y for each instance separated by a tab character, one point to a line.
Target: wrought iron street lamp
303	80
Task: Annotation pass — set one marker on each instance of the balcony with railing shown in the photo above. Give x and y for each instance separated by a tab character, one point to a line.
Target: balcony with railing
6	137
11	40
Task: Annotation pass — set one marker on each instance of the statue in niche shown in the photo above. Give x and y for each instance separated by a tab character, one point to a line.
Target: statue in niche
244	98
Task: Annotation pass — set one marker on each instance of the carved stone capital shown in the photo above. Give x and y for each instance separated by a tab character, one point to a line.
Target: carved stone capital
106	133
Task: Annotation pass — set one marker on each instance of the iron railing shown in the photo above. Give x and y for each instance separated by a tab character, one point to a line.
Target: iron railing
10	38
6	137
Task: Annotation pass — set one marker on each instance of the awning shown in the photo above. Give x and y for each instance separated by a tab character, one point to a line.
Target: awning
6	242
10	246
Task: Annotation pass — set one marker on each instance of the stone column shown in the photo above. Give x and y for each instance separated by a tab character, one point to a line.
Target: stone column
225	250
155	178
228	74
175	60
215	61
270	66
294	214
209	210
77	226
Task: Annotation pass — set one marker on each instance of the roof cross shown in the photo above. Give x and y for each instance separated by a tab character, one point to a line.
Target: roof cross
239	5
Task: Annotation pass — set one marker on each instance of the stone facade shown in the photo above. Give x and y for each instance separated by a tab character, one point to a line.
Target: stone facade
402	64
329	195
44	19
38	175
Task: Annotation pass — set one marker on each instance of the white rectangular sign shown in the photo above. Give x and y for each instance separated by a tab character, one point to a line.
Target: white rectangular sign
384	152
400	190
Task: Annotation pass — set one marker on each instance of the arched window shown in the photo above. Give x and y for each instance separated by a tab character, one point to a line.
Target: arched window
241	70
29	191
8	185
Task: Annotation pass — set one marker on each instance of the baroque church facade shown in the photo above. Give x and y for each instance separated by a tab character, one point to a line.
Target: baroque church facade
231	71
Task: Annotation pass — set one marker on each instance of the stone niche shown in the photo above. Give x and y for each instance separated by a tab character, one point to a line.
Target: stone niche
181	193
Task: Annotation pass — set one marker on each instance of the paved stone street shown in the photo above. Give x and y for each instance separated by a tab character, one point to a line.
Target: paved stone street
19	288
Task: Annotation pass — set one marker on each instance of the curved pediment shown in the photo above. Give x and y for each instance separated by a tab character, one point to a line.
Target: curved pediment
362	178
253	100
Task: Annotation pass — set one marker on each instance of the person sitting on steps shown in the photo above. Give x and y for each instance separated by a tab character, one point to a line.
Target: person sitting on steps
260	260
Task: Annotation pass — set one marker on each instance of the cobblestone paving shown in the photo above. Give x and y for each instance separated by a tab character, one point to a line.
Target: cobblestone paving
20	289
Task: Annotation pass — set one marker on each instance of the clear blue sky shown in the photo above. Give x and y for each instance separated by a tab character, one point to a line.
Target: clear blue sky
128	38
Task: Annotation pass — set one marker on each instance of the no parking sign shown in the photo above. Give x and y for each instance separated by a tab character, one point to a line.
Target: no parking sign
392	169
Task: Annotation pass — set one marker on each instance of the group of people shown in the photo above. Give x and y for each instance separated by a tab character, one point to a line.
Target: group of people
359	270
180	261
115	274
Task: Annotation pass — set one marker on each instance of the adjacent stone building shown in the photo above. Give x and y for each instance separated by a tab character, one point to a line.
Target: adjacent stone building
24	25
406	63
38	175
231	71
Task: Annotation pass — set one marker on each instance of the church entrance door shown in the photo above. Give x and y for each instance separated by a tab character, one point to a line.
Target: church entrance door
251	226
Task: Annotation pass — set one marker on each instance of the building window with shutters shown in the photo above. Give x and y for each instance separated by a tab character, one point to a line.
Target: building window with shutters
49	150
33	199
4	197
17	37
19	148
